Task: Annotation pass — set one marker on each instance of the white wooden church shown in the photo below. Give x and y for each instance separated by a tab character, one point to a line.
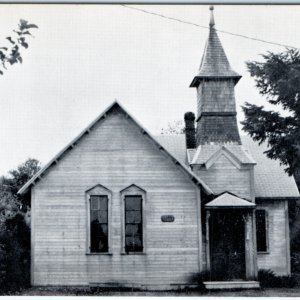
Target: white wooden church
120	207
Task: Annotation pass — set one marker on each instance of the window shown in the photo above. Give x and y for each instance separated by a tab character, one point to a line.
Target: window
133	224
133	220
98	219
261	230
99	223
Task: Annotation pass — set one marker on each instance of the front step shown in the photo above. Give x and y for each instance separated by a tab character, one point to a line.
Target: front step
228	285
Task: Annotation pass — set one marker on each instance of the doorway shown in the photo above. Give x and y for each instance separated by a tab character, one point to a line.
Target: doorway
227	244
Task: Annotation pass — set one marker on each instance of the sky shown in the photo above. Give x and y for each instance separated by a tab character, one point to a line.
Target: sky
83	57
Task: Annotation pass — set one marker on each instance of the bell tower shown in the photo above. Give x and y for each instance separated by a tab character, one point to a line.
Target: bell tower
215	82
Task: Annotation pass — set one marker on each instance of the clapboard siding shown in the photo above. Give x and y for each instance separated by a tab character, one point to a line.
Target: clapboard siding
223	176
278	256
115	154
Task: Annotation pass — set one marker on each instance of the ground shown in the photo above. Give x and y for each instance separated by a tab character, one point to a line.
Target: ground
280	292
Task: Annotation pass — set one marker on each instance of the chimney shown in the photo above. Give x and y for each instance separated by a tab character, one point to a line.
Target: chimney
190	134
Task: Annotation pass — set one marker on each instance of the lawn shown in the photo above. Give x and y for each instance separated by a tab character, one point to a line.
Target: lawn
270	292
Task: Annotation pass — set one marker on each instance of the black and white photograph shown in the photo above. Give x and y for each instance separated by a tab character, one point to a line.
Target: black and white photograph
149	149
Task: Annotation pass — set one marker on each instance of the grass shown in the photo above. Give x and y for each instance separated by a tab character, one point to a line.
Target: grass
267	292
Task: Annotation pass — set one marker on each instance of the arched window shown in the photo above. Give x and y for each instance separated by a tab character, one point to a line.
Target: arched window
133	233
98	203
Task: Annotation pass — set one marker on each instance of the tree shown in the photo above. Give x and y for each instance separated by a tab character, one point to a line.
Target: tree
14	228
18	177
11	54
176	127
278	80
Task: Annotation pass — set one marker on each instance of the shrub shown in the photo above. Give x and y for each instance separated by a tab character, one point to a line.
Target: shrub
15	256
269	279
199	278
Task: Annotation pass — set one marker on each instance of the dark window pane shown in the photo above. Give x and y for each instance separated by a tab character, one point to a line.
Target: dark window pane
133	217
104	229
99	237
94	215
261	230
102	216
131	229
103	202
99	224
133	244
133	224
95	204
133	203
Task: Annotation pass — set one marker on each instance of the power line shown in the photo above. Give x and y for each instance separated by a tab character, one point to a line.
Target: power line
206	27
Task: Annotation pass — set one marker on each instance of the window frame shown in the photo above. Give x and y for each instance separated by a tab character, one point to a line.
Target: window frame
267	251
133	190
98	190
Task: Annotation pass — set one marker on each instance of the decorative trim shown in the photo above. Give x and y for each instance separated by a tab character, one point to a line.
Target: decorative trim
275	198
217	114
32	242
199	220
197	79
100	253
227	153
207	241
287	237
104	115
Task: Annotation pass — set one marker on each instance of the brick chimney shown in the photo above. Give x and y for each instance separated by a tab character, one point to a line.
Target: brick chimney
190	133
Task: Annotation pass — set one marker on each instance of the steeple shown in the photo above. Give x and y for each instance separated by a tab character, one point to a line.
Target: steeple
215	81
214	62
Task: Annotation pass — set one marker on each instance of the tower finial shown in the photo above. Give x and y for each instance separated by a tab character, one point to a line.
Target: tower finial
212	20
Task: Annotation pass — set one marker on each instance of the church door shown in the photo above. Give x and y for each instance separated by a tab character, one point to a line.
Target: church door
227	245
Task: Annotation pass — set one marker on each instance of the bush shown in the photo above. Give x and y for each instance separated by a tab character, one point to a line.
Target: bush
269	279
199	278
15	256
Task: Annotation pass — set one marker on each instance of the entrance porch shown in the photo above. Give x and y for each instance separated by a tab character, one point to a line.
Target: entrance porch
230	242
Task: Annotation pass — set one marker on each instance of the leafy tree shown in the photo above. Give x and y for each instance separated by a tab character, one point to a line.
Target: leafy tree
175	127
14	228
9	206
11	54
18	177
278	79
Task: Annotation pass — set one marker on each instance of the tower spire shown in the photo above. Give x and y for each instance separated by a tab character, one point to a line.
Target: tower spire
212	19
215	81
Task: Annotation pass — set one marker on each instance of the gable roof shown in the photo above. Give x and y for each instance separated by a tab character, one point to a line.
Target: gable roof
206	153
228	200
89	128
269	177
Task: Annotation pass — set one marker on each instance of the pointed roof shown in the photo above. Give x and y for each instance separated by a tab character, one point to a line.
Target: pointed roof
228	200
115	105
214	62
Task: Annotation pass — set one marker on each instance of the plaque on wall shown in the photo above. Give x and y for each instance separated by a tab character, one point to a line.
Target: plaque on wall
167	218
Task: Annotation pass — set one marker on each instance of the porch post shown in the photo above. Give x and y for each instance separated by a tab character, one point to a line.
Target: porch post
250	250
207	240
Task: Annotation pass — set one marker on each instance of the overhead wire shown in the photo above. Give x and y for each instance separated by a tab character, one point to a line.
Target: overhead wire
206	27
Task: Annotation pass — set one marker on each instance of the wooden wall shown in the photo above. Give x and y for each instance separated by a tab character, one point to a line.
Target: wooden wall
225	176
278	256
115	154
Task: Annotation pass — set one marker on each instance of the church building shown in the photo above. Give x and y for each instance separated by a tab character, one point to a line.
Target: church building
119	207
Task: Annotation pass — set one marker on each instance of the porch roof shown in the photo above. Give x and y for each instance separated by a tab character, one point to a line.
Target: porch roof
227	200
